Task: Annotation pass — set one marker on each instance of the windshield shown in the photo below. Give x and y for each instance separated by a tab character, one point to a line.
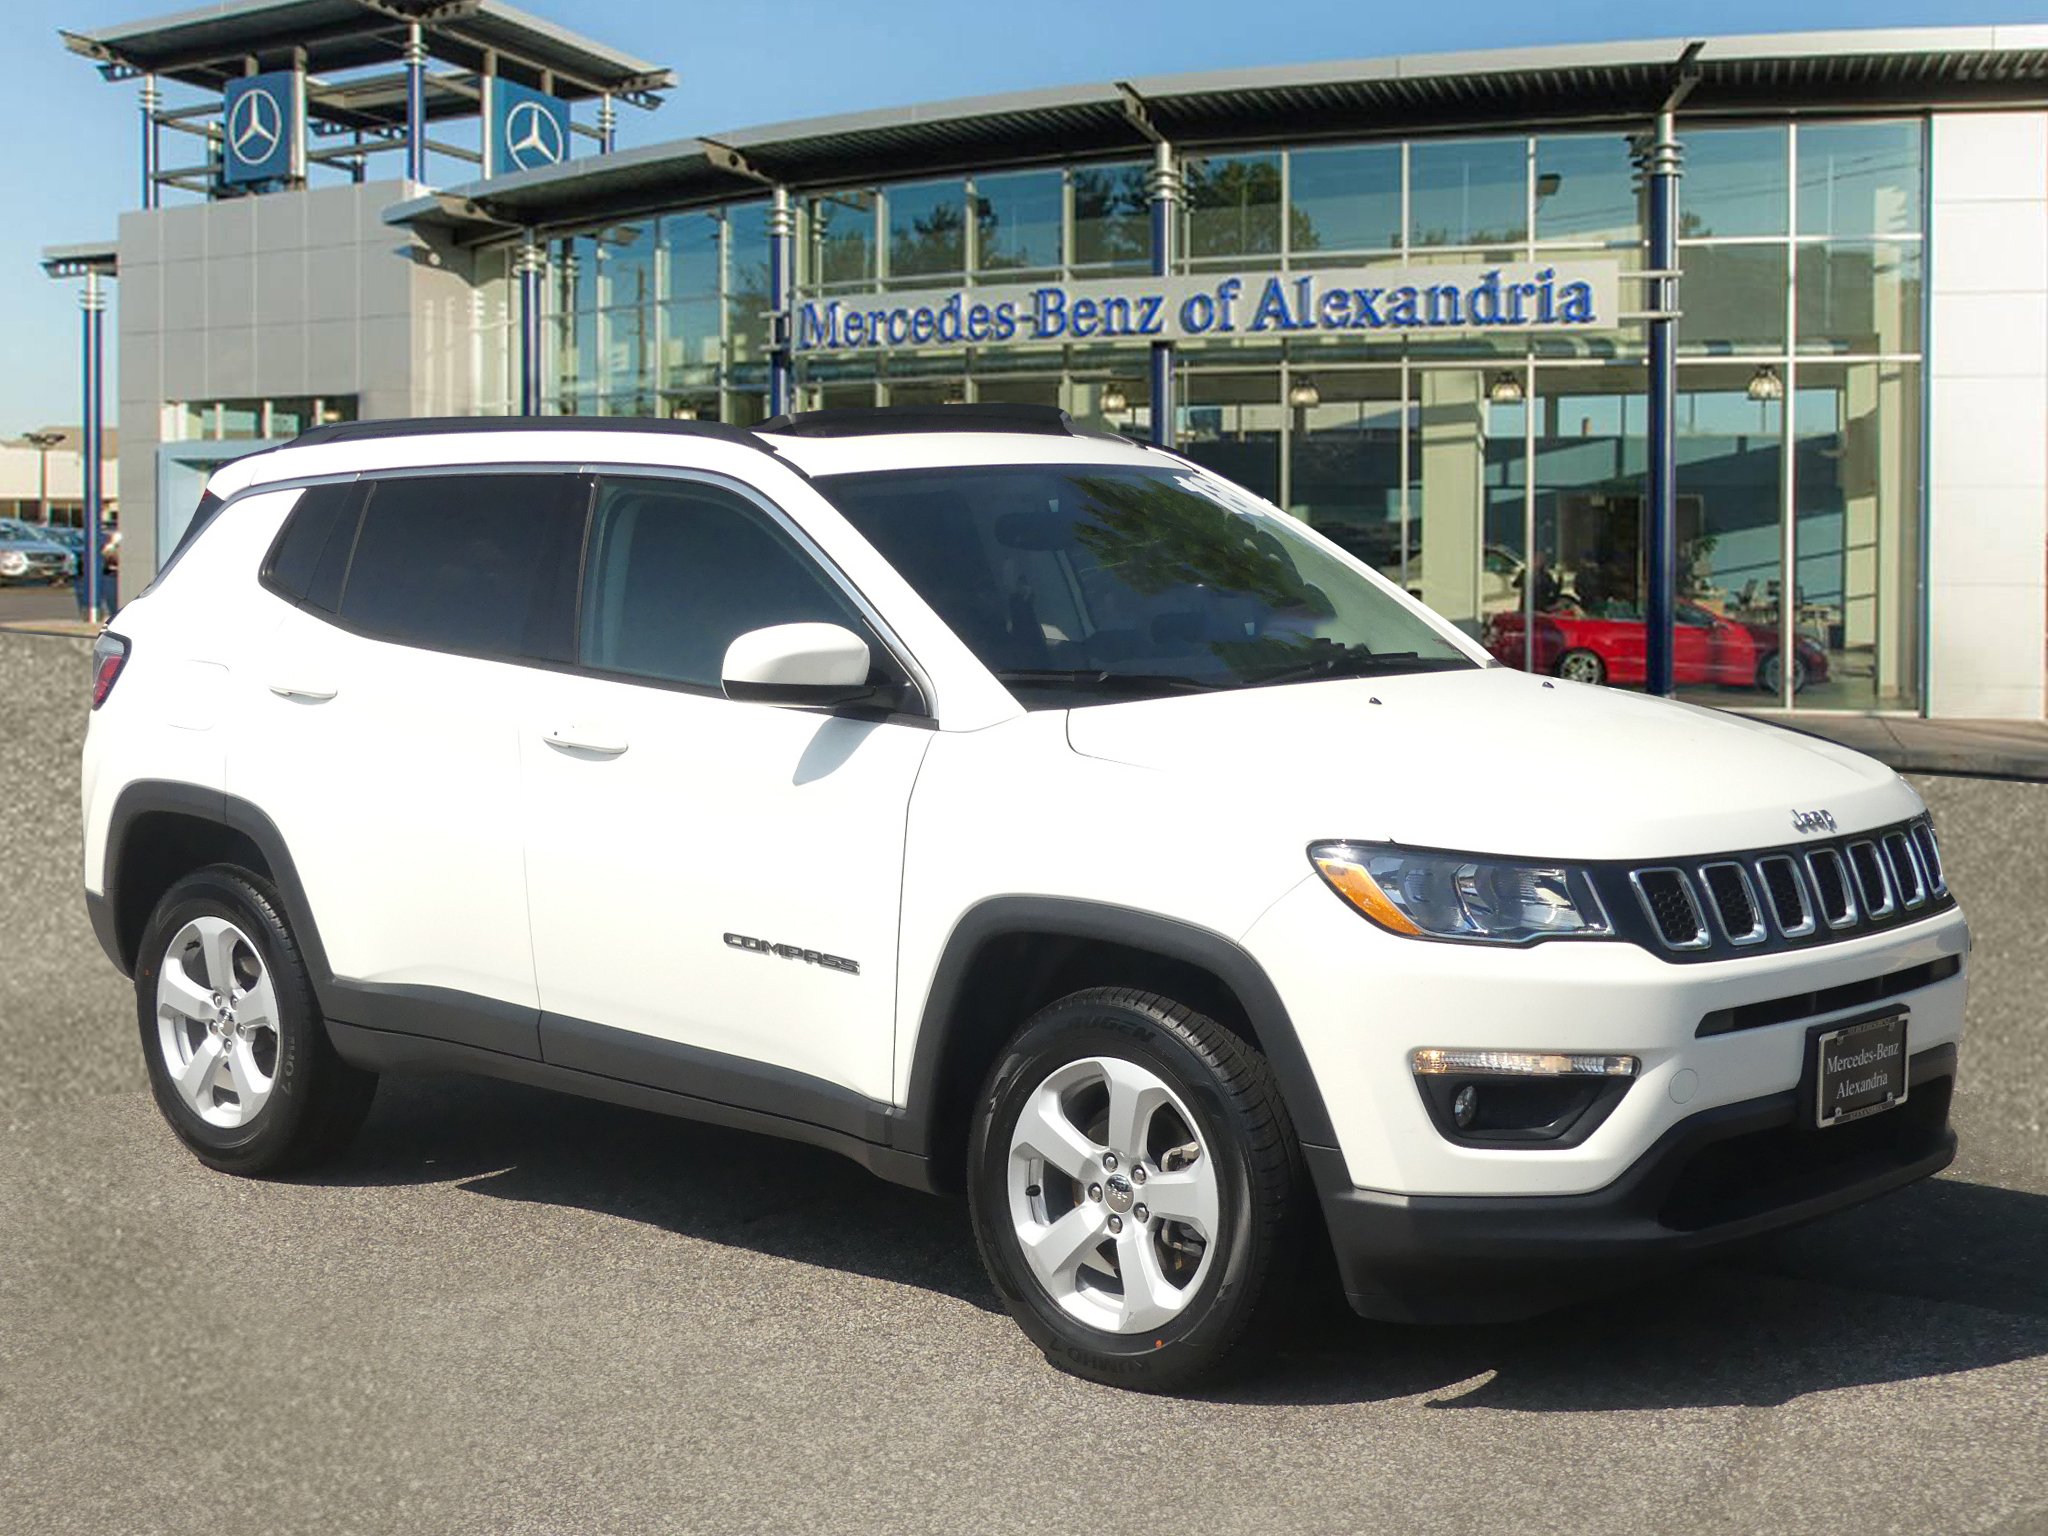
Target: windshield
1080	583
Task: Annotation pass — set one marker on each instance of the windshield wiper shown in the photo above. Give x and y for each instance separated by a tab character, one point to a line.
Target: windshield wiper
1099	677
1358	662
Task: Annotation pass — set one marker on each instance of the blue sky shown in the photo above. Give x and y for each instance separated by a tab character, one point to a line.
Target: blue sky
72	165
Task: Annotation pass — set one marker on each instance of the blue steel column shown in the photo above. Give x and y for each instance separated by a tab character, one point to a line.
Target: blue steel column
152	99
1165	187
781	302
528	265
415	103
1659	159
93	303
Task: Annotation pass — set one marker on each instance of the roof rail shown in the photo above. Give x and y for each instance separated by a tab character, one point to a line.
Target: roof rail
876	420
426	426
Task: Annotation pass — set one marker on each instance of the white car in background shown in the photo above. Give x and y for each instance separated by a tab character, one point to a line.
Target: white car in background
1020	811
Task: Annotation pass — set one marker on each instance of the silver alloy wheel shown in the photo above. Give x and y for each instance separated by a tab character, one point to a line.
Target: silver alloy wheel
216	1020
1113	1194
1580	667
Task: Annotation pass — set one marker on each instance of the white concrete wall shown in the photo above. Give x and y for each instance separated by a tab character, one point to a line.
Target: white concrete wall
1987	353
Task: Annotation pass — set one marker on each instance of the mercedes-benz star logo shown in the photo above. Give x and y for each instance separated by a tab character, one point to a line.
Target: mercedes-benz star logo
532	136
255	126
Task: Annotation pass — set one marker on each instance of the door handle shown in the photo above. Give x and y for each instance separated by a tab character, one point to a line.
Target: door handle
317	692
583	738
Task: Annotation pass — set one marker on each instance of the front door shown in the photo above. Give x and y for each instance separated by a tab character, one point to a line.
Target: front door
714	886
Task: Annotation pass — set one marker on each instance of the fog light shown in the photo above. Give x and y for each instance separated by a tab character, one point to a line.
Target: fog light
1465	1107
1525	1063
1484	1098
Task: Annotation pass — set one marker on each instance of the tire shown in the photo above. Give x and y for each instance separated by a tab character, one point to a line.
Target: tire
1580	665
272	1097
1212	1296
1770	680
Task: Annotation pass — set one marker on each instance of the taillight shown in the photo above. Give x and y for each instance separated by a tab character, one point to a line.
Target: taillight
109	655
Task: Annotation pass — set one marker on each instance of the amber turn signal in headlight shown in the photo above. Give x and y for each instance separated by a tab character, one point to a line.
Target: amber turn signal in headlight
1435	895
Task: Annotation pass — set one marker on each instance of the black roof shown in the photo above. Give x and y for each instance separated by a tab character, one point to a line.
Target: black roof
429	426
845	421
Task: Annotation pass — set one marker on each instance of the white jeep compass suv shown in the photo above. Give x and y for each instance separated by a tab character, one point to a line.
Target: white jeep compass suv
1017	810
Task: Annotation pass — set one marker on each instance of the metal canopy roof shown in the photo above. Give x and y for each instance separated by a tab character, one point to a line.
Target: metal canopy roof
1818	72
206	48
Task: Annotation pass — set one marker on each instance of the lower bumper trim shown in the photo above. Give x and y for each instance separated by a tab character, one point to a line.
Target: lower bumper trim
1713	1179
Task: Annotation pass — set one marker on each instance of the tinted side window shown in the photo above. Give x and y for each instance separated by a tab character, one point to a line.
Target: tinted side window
677	571
311	553
480	564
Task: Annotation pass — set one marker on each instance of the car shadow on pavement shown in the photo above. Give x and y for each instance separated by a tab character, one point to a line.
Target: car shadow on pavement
1944	1276
702	1181
1940	1277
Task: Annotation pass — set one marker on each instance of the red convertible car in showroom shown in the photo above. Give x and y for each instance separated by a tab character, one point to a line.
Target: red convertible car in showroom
1710	650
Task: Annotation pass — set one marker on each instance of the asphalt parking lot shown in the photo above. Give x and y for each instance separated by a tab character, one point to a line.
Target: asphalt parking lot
510	1312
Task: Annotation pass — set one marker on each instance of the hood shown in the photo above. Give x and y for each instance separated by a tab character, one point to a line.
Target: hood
1497	761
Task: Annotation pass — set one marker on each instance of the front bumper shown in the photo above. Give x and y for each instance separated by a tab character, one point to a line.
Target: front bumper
1362	1001
1714	1178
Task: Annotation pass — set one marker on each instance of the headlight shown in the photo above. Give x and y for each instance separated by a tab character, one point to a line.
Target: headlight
13	562
1462	896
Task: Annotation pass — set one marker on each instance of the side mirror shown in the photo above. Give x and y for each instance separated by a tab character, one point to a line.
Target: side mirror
797	664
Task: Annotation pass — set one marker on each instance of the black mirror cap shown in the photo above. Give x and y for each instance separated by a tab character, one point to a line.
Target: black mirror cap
797	693
879	698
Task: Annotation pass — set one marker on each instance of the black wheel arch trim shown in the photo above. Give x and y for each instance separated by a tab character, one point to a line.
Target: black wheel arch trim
1064	917
145	797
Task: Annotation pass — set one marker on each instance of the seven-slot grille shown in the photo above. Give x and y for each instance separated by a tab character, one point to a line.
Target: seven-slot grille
1790	897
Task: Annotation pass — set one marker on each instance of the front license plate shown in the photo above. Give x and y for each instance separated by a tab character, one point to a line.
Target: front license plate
1862	1070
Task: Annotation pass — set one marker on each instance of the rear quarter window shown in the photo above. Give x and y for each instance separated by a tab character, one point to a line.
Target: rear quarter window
310	557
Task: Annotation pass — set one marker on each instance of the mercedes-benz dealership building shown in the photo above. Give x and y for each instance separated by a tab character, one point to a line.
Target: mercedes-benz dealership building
1406	299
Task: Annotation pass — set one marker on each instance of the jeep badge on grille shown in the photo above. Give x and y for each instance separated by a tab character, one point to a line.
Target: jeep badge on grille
1813	821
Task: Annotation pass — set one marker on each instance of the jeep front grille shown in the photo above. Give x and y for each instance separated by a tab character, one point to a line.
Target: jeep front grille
1788	897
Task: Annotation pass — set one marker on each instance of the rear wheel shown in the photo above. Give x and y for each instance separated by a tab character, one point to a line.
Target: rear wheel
1582	666
1770	673
1137	1192
238	1054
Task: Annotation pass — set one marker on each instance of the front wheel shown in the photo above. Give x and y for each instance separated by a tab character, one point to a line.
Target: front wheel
238	1054
1137	1192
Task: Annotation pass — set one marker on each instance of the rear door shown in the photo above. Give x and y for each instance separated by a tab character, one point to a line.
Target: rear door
714	885
386	744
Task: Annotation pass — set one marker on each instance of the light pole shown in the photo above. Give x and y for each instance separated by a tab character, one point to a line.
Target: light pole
92	263
43	442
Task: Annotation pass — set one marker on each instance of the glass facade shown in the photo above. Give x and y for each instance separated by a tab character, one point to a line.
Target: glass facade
1498	475
189	421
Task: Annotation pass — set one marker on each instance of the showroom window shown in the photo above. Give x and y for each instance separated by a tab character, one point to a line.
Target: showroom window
1485	470
927	231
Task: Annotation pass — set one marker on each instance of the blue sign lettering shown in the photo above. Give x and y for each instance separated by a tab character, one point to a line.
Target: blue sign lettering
1388	298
